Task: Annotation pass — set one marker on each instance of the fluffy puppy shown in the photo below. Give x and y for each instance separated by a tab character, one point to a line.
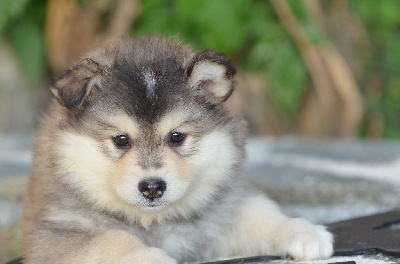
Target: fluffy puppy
138	160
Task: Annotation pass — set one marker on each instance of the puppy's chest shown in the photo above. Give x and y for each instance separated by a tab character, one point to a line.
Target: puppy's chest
187	240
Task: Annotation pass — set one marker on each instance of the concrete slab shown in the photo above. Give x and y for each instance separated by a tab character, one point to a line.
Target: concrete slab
360	259
326	180
15	162
15	155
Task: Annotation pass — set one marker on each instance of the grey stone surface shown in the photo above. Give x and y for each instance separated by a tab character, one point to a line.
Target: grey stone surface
10	210
15	162
15	155
345	260
361	259
326	180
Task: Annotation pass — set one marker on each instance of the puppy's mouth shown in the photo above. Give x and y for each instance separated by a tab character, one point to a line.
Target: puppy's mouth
152	205
155	204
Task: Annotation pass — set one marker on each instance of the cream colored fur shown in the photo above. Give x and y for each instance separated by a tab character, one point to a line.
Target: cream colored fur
257	226
84	204
116	188
207	71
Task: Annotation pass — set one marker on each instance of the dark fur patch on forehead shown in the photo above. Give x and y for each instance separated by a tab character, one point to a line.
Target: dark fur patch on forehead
149	76
140	100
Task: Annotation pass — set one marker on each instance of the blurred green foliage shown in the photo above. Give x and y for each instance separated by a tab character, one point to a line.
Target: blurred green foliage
22	23
246	30
382	21
249	32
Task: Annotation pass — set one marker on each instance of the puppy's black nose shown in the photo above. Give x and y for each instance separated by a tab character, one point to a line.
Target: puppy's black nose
152	188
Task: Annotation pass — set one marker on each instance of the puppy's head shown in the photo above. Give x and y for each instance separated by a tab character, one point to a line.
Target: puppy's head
144	129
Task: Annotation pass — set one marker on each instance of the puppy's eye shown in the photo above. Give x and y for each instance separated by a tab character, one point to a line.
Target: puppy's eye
176	138
121	141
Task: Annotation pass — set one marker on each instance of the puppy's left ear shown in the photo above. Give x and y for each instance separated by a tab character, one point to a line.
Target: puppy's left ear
212	73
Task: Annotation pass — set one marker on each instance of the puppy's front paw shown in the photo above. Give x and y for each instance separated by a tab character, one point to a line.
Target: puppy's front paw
302	240
148	256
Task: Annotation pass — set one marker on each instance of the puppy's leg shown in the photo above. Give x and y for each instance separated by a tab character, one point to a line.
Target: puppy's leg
105	248
260	229
121	247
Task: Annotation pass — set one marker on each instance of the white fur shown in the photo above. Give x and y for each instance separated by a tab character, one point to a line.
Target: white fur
86	167
206	211
150	80
66	217
128	189
207	71
260	228
148	256
173	121
256	226
124	125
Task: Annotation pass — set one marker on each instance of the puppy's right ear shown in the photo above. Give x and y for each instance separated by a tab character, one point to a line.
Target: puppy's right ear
72	87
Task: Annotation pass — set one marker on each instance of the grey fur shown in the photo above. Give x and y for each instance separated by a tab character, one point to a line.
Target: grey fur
147	80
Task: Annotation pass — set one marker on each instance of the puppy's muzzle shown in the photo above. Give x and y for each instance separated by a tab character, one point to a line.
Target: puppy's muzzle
152	188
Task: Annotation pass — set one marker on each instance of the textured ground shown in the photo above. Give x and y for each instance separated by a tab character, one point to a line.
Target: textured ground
323	181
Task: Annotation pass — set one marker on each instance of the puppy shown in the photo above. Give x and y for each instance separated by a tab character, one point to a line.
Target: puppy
138	160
